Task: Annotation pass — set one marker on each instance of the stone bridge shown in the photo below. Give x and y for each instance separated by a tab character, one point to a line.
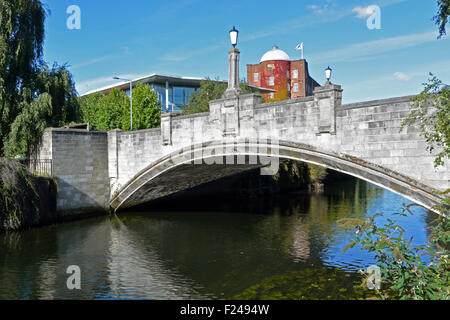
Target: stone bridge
99	170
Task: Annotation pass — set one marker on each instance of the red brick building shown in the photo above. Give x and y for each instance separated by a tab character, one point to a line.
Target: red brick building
276	71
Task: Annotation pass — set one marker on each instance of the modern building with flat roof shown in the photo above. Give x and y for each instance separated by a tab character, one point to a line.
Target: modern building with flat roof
173	92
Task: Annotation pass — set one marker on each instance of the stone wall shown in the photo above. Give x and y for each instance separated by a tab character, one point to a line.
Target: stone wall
94	167
80	162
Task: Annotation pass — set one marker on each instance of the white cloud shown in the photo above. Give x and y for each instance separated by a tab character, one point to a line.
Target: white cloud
92	61
401	76
318	9
372	49
362	12
327	12
100	82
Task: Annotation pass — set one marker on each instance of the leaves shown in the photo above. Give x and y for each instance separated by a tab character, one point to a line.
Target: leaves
112	111
432	116
348	246
402	264
32	95
441	18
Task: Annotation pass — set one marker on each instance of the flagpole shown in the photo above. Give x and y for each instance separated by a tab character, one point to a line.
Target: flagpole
300	47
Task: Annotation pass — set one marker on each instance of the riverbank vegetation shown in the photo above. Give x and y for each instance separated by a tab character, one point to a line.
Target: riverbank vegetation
25	200
414	271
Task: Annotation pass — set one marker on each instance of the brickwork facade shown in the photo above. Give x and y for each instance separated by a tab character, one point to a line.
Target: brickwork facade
290	79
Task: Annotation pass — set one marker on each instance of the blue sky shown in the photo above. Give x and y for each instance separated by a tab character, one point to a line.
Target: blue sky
190	38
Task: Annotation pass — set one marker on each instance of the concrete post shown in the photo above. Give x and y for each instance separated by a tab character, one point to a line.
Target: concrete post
233	74
327	98
166	128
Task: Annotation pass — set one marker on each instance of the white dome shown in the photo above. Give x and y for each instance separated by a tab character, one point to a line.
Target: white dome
274	54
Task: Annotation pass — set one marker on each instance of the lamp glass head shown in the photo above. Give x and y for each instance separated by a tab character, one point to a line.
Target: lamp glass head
328	73
234	36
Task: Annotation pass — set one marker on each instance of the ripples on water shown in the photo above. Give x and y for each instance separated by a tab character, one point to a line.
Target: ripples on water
288	247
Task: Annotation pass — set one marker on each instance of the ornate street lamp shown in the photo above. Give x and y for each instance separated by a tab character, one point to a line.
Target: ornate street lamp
234	36
131	99
233	89
328	74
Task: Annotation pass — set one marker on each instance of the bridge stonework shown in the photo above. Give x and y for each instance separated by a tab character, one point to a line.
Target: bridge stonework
115	169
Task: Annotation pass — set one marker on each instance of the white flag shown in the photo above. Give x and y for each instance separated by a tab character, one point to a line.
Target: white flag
299	46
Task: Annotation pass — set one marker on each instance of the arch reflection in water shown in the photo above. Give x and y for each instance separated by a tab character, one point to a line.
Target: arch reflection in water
217	252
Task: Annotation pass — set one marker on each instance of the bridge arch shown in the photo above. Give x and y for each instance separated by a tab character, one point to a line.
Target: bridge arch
201	163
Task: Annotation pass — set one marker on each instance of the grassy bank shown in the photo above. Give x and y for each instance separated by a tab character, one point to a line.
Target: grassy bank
25	200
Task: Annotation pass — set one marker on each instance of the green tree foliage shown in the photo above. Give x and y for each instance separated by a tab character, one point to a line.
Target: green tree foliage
28	125
405	271
199	100
112	111
432	115
441	19
32	95
209	90
146	108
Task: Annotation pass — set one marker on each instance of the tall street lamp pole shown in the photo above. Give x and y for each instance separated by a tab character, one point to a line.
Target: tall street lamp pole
131	99
233	71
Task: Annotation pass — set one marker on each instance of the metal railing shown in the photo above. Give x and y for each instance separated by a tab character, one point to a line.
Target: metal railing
40	166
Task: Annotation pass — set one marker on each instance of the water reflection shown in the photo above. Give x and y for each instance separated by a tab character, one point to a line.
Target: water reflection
223	249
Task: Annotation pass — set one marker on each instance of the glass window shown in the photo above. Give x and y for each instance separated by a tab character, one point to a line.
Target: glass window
188	93
256	77
271	81
271	95
295	74
179	96
295	87
288	87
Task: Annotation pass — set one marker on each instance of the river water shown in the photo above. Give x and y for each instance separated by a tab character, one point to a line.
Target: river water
286	248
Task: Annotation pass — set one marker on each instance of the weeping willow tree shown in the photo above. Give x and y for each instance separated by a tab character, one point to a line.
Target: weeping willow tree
441	18
32	95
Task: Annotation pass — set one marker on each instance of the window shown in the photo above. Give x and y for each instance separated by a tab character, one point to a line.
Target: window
287	74
179	96
271	95
295	87
271	81
295	74
256	77
288	87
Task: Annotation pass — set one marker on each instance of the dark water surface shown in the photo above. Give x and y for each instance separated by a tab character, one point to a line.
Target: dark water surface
288	248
